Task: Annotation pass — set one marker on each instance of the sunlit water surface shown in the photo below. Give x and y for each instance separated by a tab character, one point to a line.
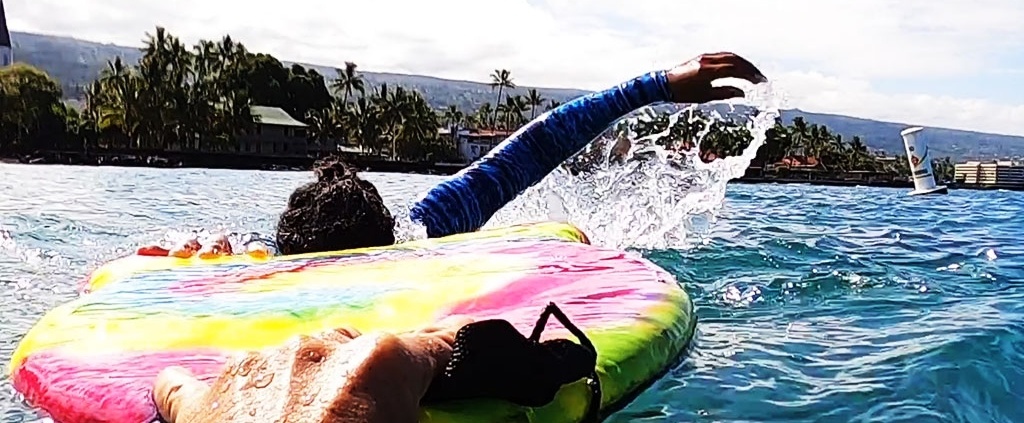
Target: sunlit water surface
814	303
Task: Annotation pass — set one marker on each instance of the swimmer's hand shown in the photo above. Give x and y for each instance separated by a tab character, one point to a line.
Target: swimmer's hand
215	246
690	82
338	376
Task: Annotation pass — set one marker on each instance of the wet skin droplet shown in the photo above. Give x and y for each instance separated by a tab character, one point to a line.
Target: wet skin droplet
263	380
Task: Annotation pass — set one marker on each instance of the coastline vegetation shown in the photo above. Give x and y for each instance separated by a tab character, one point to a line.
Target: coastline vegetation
803	148
198	98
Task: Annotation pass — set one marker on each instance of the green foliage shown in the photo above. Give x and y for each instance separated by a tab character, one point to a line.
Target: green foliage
198	98
830	155
76	63
33	113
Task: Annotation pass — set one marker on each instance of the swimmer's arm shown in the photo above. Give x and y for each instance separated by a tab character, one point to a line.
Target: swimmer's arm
467	201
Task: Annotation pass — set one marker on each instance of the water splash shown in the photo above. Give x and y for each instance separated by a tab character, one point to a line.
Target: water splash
405	228
657	198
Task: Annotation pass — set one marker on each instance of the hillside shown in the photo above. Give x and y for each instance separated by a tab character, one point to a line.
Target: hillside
76	63
943	142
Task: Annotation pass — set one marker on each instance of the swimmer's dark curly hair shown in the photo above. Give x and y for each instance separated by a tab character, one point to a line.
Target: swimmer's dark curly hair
339	211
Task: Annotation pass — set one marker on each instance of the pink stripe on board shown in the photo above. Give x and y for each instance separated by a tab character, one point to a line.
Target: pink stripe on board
601	290
54	381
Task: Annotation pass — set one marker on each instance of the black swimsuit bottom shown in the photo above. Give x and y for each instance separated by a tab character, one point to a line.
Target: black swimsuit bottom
491	359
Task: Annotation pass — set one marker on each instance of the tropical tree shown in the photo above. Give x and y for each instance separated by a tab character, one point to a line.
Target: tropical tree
513	111
31	112
482	116
501	79
200	97
534	100
348	81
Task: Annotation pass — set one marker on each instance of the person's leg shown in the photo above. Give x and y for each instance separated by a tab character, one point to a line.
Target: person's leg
342	374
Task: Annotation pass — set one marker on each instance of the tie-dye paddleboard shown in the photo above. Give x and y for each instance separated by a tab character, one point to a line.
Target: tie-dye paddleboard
94	359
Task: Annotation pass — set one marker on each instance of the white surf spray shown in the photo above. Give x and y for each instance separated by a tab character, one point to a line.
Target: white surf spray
657	198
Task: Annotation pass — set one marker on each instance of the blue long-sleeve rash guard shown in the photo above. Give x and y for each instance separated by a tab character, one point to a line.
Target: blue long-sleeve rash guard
467	201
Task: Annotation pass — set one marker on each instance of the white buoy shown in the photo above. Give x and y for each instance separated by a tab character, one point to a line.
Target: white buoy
920	164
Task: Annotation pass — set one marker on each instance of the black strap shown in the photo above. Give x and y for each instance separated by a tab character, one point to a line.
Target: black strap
593	381
491	359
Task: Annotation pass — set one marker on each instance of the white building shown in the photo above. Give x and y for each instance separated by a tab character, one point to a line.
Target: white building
6	47
992	173
276	134
473	144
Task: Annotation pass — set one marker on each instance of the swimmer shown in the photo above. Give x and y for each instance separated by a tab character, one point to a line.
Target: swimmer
306	380
344	376
342	211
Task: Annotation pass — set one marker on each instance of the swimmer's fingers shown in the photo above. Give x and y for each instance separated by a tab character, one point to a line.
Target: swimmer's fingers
730	65
178	394
725	93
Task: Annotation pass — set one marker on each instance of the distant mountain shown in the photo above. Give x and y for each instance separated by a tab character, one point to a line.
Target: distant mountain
943	142
75	63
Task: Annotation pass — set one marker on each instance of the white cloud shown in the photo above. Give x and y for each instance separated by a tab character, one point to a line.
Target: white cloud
824	54
828	94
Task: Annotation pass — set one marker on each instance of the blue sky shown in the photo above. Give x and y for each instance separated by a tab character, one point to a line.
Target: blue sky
954	63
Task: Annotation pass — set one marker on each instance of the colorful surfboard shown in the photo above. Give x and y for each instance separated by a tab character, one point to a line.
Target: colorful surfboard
95	358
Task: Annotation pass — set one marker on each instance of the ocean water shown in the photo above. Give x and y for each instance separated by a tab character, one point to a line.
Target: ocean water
815	303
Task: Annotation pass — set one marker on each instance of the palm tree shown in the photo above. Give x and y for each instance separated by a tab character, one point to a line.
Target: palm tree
800	134
320	126
513	110
120	88
365	125
453	117
348	80
483	115
164	69
500	79
200	97
202	93
534	100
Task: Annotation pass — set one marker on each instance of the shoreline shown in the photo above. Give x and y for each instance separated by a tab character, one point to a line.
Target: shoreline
225	161
232	161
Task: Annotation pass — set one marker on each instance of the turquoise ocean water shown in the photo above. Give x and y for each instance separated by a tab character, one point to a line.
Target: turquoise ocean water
815	304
